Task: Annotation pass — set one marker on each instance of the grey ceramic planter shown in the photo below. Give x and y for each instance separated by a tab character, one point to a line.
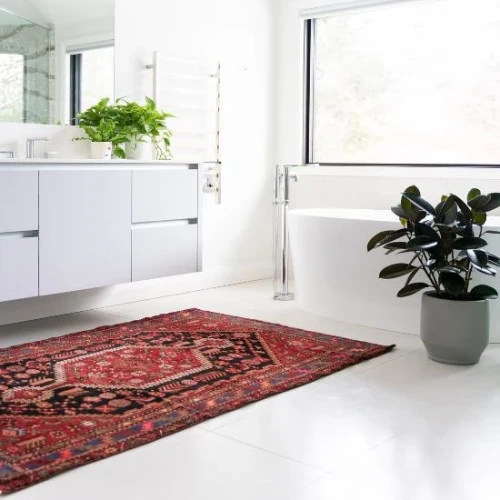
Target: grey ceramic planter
454	332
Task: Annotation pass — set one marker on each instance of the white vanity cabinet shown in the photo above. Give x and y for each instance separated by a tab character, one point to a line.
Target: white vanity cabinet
18	201
18	268
164	195
160	250
165	223
18	234
76	225
84	229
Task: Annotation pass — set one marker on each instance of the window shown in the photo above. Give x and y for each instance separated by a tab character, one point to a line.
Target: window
12	71
414	82
91	78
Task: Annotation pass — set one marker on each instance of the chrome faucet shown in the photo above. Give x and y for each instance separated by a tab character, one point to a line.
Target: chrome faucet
30	145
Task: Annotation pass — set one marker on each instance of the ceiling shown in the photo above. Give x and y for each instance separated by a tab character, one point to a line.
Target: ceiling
69	11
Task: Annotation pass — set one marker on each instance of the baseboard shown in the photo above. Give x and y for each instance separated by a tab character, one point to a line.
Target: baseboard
55	305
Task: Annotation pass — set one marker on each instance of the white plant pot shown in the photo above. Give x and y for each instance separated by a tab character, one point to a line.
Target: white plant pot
140	150
101	150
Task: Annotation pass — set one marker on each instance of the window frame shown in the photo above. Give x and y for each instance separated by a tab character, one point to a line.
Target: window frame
309	59
75	87
308	85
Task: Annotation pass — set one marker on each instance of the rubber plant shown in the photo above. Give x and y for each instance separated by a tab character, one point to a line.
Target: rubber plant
143	122
445	243
102	123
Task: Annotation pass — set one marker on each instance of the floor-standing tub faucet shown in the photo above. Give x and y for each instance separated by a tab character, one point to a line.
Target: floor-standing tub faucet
30	145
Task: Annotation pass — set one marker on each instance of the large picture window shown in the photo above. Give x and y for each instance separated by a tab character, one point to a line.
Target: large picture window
413	82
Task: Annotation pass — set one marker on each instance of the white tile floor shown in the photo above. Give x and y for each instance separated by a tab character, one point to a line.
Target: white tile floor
399	427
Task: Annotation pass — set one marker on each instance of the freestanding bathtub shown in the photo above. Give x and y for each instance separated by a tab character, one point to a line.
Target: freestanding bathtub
336	277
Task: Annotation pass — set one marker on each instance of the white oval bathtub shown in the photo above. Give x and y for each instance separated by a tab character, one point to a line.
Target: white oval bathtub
336	277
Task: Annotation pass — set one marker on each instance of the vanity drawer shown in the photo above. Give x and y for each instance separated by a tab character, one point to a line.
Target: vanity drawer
18	268
164	195
161	250
18	201
84	229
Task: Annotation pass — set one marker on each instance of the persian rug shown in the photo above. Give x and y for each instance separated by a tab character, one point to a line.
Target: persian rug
72	400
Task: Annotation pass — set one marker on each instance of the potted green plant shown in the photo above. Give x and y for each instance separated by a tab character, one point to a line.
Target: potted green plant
446	246
102	127
146	128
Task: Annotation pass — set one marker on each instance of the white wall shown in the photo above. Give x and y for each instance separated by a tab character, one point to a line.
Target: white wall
237	233
239	34
380	188
13	138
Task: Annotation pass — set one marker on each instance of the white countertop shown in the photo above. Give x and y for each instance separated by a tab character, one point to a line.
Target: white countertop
66	161
72	163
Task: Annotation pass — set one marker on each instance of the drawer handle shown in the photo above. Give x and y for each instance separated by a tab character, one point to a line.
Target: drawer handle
164	223
16	235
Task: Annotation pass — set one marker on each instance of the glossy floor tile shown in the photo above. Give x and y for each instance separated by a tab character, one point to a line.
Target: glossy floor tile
399	427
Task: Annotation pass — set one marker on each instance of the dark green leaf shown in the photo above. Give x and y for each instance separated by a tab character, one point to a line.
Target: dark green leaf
451	269
420	203
439	208
478	257
377	238
473	193
493	203
411	276
479	202
450	216
479	218
412	289
462	205
491	232
449	201
482	292
466	228
469	243
397	245
398	210
425	230
489	271
395	235
453	283
406	205
421	243
395	271
493	259
413	190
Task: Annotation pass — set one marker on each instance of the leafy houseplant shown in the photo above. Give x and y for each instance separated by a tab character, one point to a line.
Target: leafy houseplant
145	123
101	123
447	246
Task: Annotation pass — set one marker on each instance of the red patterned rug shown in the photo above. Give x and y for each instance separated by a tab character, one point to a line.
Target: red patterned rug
68	401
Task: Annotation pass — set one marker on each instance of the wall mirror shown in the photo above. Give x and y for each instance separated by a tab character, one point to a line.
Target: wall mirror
56	58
